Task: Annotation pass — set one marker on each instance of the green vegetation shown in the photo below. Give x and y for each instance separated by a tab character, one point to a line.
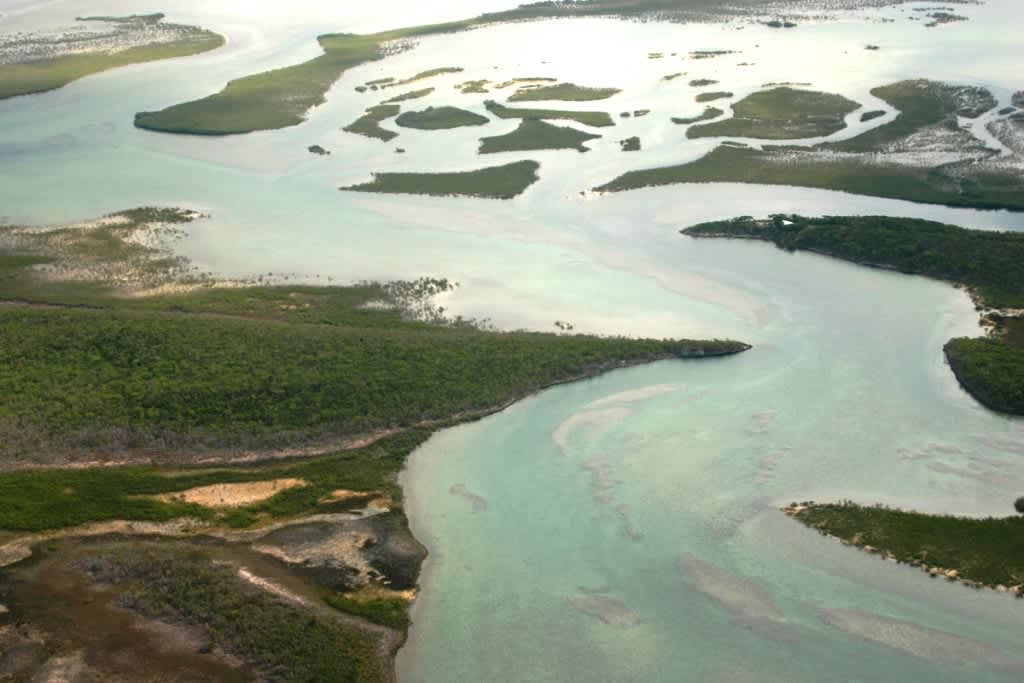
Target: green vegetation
81	263
991	370
440	118
143	378
411	95
391	612
525	79
143	19
991	264
429	73
562	91
1013	329
781	113
247	366
1018	505
662	9
473	87
923	105
369	123
304	369
708	113
871	115
494	182
960	186
744	165
279	98
920	104
631	144
534	134
938	18
984	551
40	75
597	119
702	82
179	583
317	149
42	499
712	96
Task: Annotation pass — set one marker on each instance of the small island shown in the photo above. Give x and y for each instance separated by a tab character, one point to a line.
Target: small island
974	176
631	144
561	91
708	113
495	182
712	96
368	125
535	134
596	119
440	118
781	113
940	18
411	95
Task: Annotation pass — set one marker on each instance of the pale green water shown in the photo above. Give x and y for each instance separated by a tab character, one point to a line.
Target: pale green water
844	395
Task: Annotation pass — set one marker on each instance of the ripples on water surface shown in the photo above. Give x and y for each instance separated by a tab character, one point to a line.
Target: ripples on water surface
622	528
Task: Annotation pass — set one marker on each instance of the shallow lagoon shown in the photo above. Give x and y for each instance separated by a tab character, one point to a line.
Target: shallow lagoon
595	491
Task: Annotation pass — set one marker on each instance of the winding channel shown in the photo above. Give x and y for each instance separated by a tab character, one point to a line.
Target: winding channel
624	528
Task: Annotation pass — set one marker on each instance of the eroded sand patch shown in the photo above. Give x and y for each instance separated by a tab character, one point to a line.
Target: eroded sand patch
596	422
232	495
611	611
750	604
271	587
635	395
478	502
918	641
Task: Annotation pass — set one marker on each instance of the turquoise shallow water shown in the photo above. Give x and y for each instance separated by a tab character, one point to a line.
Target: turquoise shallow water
639	483
624	528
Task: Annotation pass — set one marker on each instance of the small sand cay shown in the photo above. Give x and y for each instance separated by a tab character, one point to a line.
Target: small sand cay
232	495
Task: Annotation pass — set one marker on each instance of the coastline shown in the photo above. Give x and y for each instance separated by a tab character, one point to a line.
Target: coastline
421	534
21	550
992	318
798	511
